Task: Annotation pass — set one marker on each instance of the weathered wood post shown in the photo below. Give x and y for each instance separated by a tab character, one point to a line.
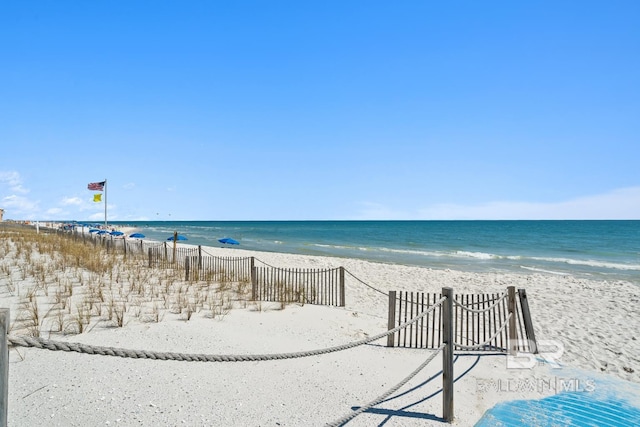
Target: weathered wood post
186	268
528	323
175	240
511	307
149	257
447	355
254	280
199	257
342	294
4	366
391	323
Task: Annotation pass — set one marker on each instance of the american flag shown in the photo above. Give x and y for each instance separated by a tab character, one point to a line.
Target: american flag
96	186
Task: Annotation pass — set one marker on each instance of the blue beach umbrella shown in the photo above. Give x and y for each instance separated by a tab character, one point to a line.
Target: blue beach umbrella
93	230
137	235
102	232
228	241
179	237
116	233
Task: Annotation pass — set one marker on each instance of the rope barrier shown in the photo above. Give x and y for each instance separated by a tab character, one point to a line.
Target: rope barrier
24	341
268	265
472	310
388	393
204	252
484	344
367	285
207	253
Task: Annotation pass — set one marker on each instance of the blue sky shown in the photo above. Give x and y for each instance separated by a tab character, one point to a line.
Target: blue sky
320	110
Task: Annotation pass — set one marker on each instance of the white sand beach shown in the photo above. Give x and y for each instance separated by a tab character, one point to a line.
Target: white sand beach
597	323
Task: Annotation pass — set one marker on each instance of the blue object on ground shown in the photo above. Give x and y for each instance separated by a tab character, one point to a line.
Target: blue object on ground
229	241
137	235
583	400
180	237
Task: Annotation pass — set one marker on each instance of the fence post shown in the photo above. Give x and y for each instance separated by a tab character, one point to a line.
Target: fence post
392	318
149	257
199	257
4	366
186	268
511	306
447	355
342	294
528	324
254	281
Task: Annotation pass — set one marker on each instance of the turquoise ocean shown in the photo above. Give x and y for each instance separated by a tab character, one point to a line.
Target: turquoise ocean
604	250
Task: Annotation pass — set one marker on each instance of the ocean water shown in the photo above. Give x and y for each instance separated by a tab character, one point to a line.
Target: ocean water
595	249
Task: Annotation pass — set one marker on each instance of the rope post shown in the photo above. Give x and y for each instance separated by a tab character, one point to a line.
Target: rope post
511	307
447	355
392	318
4	366
528	323
342	296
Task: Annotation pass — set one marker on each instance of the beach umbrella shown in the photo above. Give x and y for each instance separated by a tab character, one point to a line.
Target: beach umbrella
102	232
177	237
93	230
116	233
228	241
137	235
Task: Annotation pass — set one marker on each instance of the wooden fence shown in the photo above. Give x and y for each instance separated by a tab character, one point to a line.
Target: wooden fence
226	269
306	286
167	256
479	318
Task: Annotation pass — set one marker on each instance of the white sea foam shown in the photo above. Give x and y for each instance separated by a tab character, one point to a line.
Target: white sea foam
477	255
414	252
333	246
542	270
590	263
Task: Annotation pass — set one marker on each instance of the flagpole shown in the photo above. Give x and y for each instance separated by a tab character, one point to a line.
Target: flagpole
105	203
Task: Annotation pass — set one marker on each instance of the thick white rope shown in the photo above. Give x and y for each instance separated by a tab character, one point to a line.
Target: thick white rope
484	344
41	343
482	310
388	393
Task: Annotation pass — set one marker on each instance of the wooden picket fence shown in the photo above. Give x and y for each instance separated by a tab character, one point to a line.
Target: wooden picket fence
477	318
305	286
224	269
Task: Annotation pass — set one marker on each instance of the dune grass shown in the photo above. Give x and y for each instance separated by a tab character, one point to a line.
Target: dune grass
67	286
